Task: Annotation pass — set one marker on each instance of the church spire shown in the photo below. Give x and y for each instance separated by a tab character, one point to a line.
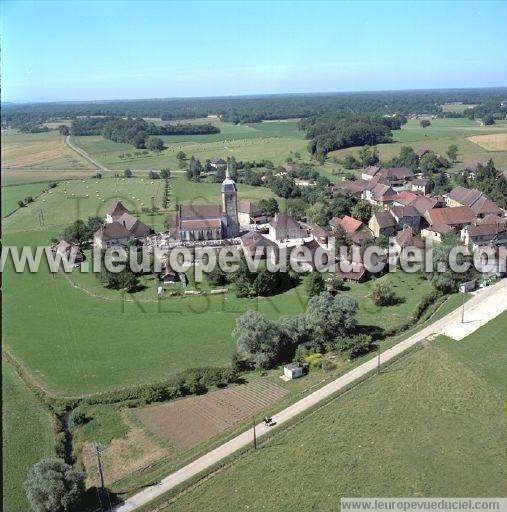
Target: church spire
227	175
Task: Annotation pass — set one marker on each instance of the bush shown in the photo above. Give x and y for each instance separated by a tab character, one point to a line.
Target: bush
77	417
53	185
314	359
382	293
21	204
53	486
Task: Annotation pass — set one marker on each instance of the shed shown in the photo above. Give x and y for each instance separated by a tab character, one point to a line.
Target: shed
293	371
469	286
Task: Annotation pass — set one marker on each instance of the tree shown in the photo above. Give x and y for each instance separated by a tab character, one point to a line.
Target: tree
407	158
21	204
362	211
165	173
64	130
216	276
351	162
368	156
53	486
452	152
258	340
77	233
424	123
180	155
318	213
342	205
382	292
328	317
315	284
127	173
353	346
429	163
153	175
269	207
155	144
28	199
488	120
341	237
265	283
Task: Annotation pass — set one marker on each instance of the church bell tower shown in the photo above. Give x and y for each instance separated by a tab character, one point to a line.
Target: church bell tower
230	206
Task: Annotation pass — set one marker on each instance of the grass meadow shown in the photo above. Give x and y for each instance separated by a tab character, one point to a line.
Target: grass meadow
27	437
429	425
438	137
273	141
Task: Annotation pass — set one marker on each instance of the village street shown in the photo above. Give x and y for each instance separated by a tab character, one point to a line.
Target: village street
482	307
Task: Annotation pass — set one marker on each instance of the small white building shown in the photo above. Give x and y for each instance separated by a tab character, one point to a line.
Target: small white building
293	371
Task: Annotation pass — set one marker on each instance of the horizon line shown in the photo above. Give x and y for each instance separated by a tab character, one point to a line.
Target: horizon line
250	95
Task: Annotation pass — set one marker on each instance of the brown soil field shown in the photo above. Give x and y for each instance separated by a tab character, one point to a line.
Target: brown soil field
120	458
19	154
493	142
190	421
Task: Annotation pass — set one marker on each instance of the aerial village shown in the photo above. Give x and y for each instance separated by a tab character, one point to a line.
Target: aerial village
406	213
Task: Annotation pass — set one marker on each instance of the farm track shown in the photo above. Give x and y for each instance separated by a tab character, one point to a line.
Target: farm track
84	154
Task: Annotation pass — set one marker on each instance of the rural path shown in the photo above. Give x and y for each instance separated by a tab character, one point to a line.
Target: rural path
496	294
102	167
84	154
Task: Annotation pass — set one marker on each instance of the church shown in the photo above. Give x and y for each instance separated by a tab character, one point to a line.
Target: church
195	222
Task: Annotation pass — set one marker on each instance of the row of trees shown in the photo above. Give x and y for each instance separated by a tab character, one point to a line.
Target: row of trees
137	132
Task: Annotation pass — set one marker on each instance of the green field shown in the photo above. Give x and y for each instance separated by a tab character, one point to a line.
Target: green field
27	438
269	140
438	137
11	195
430	425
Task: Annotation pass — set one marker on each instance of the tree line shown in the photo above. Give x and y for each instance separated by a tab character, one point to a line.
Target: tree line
136	131
256	108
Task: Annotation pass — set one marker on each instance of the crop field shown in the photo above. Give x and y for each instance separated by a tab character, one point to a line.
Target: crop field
190	421
438	137
399	434
273	141
45	150
496	142
27	438
456	107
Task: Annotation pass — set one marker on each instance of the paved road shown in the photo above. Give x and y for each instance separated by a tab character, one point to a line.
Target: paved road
496	292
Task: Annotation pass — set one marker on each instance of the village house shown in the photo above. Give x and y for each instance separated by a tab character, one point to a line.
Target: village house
69	252
396	176
379	194
218	163
369	172
422	152
351	271
120	228
476	236
423	185
405	216
283	227
407	238
455	218
435	232
473	198
320	234
356	230
254	243
474	165
310	254
352	187
382	223
249	213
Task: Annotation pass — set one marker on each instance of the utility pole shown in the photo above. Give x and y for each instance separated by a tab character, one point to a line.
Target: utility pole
463	309
378	359
101	475
254	434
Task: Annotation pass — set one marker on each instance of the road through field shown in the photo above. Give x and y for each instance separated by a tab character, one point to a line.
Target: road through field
495	294
84	154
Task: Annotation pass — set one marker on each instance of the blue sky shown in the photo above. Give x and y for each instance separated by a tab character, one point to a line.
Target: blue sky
131	49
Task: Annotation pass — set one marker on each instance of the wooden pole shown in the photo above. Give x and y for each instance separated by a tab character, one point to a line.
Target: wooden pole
254	433
378	359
